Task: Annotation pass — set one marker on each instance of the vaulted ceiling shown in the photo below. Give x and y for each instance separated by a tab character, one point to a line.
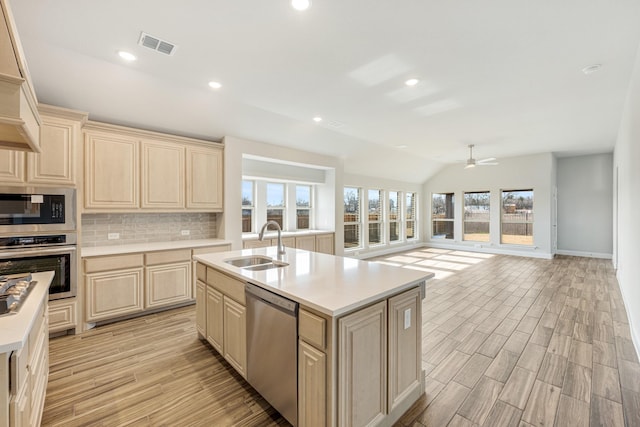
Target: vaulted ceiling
504	75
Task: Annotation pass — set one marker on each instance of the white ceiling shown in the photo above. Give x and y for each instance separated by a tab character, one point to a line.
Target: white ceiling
504	75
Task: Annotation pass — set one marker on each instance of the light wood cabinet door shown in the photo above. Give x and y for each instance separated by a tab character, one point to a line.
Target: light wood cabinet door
308	243
114	293
162	175
59	139
235	335
62	314
11	166
251	244
204	178
312	386
405	332
111	172
325	243
201	309
215	319
20	409
168	284
362	365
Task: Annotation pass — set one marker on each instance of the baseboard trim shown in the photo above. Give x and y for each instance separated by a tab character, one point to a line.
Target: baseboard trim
633	329
488	249
585	254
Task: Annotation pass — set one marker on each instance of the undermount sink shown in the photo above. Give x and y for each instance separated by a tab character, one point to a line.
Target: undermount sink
255	262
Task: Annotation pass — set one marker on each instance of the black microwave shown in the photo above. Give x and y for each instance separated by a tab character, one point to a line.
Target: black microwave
36	209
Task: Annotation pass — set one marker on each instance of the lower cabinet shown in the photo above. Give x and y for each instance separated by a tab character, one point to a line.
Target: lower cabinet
168	284
62	314
308	243
29	371
225	317
312	386
323	243
114	293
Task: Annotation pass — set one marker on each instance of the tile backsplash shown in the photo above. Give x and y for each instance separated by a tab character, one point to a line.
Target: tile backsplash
146	227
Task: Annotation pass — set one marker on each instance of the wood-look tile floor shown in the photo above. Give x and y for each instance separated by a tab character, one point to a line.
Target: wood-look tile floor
507	341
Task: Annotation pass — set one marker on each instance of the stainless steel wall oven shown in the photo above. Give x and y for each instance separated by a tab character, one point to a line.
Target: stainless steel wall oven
33	254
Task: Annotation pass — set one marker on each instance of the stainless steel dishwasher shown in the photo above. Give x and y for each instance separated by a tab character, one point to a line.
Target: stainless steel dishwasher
272	349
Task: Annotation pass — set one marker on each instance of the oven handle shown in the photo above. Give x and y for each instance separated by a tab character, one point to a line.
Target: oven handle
37	251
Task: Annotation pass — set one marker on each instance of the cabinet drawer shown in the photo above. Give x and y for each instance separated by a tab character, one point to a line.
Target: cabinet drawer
312	328
225	284
62	315
114	262
201	272
210	249
167	257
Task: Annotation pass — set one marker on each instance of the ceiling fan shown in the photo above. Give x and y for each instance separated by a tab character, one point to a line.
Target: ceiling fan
471	162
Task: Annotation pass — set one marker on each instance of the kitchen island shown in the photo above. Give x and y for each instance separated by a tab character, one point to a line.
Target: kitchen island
24	357
359	329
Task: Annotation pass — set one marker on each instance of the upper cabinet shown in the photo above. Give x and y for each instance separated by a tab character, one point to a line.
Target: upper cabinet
56	164
132	170
19	118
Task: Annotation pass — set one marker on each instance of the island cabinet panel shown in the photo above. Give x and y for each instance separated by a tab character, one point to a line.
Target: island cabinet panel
167	284
204	178
312	328
235	335
215	319
362	366
405	334
12	166
162	175
114	293
201	309
112	171
312	386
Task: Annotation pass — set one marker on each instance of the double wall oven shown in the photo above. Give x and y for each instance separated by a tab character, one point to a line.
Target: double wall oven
38	233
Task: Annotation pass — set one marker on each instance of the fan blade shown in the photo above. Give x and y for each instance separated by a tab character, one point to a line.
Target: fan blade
488	164
490	159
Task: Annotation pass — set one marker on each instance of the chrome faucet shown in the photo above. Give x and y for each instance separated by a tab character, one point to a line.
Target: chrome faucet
280	245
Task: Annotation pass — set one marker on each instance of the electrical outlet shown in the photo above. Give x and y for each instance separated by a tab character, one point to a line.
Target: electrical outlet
407	318
185	232
113	236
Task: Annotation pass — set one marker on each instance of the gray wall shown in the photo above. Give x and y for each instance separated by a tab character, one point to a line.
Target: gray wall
585	205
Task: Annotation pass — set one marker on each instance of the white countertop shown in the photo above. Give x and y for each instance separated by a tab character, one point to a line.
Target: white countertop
272	234
330	284
14	328
151	247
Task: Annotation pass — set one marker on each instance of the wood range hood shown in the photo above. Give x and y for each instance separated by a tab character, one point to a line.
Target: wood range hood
19	118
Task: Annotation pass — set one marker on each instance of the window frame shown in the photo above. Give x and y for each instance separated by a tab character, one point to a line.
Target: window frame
251	207
397	221
528	222
476	221
413	218
358	223
380	221
282	208
450	220
309	208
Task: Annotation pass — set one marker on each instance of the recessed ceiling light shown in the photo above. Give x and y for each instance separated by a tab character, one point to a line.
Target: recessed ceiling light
300	4
215	85
411	82
317	119
591	69
127	56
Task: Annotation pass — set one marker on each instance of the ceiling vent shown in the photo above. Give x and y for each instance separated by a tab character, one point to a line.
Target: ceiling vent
157	44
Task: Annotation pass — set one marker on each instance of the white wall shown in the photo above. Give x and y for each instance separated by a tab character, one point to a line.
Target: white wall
329	216
627	208
535	172
374	183
585	205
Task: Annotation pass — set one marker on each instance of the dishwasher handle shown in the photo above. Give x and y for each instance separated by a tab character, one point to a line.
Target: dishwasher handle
284	304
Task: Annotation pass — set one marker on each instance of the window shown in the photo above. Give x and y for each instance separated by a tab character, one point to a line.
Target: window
375	217
442	206
394	211
517	217
410	216
303	206
247	206
351	217
275	203
476	216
